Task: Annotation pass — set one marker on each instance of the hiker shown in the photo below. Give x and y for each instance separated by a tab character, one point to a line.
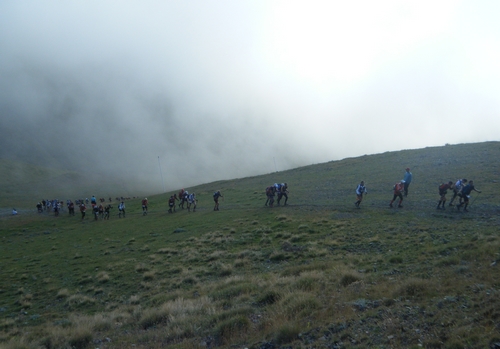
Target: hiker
95	211
144	206
121	210
398	193
101	211
71	208
184	198
171	203
83	208
466	191
270	192
56	206
360	190
39	207
407	180
191	201
181	197
217	195
93	200
283	192
443	189
107	210
457	189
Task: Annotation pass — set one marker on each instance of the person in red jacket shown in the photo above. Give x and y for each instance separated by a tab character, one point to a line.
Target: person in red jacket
443	189
83	208
398	193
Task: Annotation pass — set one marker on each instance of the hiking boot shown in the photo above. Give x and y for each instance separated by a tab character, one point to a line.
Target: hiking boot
390	205
466	210
400	206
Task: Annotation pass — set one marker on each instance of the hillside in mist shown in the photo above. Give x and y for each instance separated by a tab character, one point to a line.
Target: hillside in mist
318	272
330	182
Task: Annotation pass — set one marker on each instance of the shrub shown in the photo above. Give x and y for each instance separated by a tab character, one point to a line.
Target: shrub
303	304
150	275
80	338
153	317
348	279
278	256
140	268
268	297
287	333
414	288
396	260
102	277
226	329
77	301
63	293
101	323
232	291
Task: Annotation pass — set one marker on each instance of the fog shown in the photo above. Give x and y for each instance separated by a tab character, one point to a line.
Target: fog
209	90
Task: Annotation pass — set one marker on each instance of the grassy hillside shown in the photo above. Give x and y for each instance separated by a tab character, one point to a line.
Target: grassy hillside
316	273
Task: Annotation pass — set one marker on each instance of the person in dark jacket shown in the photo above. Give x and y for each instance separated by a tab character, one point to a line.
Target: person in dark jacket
465	195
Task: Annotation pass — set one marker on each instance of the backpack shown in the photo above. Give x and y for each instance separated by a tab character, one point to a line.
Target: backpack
442	188
398	187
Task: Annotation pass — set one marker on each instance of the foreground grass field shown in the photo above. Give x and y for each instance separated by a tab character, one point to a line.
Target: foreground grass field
317	273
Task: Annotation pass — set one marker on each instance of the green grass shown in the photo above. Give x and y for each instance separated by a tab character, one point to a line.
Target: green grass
316	273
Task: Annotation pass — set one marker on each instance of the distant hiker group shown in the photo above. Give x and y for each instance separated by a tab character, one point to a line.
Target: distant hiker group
277	188
184	198
461	188
99	208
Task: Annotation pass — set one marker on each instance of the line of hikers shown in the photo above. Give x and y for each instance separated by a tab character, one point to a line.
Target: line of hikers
461	188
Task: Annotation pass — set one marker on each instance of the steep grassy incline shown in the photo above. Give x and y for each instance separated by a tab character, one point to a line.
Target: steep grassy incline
316	273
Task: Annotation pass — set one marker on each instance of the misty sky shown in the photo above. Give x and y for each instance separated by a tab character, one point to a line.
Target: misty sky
224	89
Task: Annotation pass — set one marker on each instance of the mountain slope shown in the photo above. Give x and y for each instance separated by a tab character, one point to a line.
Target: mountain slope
316	273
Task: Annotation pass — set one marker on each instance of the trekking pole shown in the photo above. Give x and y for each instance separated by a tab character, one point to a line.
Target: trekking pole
473	201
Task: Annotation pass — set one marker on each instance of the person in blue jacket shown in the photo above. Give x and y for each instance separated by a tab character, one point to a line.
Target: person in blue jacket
407	178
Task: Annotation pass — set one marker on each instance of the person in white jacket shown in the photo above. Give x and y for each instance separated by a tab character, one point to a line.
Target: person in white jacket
360	190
